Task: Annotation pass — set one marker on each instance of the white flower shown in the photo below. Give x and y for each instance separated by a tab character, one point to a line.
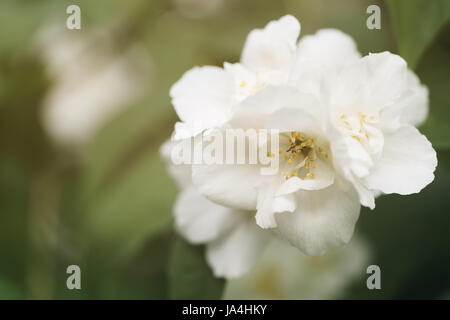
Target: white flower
346	133
204	96
233	241
90	86
283	272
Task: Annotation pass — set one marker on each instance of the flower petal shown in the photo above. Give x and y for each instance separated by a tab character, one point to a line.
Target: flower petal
318	55
236	252
323	178
415	109
272	48
202	98
348	163
199	220
369	85
289	119
255	111
329	48
323	219
407	164
181	173
412	108
229	185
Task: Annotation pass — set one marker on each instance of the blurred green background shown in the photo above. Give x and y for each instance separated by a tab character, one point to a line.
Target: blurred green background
105	204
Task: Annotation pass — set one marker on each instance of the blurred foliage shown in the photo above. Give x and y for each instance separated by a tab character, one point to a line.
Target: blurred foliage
189	275
107	207
416	24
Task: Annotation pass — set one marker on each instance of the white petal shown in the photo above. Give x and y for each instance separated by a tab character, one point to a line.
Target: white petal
202	98
199	220
255	111
415	109
269	204
407	163
347	163
236	252
284	203
366	196
272	48
374	82
329	48
323	178
323	219
181	173
229	185
318	55
412	108
265	216
295	119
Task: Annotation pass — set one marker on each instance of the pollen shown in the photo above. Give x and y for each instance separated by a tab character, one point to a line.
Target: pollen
290	161
319	149
269	154
343	116
243	84
280	151
285	156
310	175
326	155
372	117
294	174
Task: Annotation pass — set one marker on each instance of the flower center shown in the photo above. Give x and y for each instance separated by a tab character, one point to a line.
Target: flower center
300	156
363	128
357	126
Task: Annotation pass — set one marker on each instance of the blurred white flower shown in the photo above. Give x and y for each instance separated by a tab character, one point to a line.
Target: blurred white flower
347	133
285	273
90	83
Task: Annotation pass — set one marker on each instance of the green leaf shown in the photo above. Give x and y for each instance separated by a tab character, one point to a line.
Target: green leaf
416	23
189	275
434	71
